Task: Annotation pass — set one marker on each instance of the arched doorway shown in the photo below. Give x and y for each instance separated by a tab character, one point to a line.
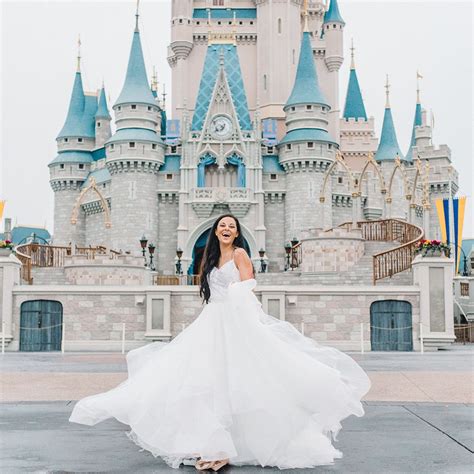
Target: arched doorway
391	327
41	325
198	251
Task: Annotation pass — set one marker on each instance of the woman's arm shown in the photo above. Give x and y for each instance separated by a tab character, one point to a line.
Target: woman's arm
244	264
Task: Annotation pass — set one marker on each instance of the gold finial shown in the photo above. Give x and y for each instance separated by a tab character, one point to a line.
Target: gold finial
352	54
164	95
418	77
79	53
305	15
387	88
137	15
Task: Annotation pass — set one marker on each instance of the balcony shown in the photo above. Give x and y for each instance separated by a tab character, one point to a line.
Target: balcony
203	200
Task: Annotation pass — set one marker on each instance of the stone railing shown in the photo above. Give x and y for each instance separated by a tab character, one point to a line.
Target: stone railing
396	260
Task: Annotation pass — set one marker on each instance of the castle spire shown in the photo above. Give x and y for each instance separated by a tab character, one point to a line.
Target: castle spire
135	88
333	14
354	106
417	120
102	110
388	148
306	88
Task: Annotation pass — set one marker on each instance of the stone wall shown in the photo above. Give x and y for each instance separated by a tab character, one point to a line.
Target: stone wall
94	316
103	270
167	235
334	251
275	235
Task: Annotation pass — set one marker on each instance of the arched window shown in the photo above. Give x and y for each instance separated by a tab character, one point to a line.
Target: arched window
279	26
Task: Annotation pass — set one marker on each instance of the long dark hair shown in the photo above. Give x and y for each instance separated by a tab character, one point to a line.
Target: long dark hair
212	253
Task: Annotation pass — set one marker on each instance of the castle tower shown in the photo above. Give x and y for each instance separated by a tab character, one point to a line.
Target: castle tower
333	30
387	151
134	155
181	45
102	121
278	30
69	169
357	131
388	148
307	149
417	122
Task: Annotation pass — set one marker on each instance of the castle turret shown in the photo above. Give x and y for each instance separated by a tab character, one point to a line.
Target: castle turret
307	149
180	47
417	122
388	148
357	134
333	31
278	21
134	155
102	121
70	168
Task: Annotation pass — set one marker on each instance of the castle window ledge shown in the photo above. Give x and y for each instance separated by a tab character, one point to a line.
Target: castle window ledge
203	200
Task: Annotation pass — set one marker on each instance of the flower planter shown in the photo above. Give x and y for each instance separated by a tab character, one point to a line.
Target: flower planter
5	252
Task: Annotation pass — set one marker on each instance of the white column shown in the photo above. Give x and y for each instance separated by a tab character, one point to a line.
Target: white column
9	277
434	276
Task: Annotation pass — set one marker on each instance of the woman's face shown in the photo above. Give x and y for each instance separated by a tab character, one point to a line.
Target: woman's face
226	231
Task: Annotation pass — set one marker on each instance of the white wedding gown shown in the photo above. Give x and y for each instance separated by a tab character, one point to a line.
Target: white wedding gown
236	383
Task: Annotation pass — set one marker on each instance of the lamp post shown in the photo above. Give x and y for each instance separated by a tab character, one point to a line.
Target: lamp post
151	250
179	269
143	244
288	251
294	243
263	264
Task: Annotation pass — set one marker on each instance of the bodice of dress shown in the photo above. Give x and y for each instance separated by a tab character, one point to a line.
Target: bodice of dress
220	278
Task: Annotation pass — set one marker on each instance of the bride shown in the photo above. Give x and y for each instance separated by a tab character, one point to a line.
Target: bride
237	386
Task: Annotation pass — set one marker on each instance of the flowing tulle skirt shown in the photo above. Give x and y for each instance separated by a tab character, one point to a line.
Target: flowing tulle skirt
236	383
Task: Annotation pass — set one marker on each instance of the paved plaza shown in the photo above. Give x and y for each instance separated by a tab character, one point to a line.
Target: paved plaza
419	416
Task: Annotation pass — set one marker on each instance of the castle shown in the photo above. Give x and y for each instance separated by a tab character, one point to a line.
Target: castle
256	129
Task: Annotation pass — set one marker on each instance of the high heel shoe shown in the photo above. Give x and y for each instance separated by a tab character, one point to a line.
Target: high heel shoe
202	465
218	464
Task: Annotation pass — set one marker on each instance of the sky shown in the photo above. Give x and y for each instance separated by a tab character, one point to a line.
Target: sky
38	62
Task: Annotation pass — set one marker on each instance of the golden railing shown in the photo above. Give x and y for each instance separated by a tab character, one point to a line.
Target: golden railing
25	270
44	256
396	260
464	332
176	280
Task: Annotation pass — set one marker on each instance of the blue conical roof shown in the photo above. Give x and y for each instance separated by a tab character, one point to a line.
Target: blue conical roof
306	88
416	123
135	88
333	14
354	107
102	110
80	120
388	147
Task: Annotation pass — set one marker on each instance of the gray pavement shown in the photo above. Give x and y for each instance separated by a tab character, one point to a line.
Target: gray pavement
435	438
394	436
455	358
